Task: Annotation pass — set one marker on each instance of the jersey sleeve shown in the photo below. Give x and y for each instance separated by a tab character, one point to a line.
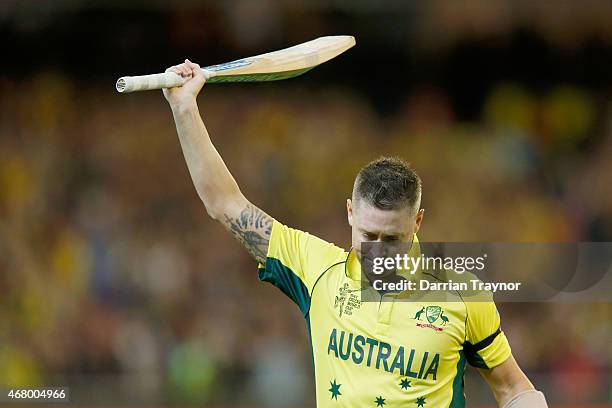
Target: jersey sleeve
294	262
486	345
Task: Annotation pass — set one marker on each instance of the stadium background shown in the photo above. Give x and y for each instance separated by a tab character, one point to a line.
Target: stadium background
113	281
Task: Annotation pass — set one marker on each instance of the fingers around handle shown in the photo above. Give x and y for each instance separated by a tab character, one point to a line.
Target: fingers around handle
148	82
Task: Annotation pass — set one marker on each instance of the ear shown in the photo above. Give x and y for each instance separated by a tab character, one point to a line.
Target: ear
418	220
349	211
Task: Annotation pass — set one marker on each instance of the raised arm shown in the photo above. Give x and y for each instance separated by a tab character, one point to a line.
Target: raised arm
214	183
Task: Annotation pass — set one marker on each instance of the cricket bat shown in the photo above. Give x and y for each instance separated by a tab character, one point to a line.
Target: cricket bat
282	64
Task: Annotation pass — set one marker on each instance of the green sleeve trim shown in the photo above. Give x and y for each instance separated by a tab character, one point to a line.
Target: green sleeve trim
458	400
287	281
471	350
475	360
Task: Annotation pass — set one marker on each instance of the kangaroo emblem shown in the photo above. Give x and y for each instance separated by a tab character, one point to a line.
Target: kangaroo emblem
418	314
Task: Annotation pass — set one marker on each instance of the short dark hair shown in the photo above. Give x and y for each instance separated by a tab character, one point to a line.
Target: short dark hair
388	183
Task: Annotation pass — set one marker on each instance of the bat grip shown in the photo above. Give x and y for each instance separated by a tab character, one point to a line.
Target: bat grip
147	82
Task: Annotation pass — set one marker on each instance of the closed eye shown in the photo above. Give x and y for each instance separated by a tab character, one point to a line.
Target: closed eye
370	237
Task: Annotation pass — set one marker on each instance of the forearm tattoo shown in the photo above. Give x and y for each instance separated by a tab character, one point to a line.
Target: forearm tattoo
253	229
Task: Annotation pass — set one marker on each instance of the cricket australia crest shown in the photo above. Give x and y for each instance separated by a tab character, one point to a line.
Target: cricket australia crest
433	314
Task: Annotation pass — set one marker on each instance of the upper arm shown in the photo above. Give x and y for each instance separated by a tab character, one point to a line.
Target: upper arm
251	226
506	380
486	345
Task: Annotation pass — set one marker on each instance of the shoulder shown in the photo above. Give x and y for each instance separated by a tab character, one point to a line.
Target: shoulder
304	253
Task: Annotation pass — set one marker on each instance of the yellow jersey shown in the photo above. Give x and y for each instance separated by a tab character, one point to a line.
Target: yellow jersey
372	350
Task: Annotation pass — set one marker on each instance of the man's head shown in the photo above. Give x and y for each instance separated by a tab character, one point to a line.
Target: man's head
385	205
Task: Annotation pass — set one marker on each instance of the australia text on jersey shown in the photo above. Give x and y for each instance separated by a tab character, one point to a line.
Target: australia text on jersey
360	350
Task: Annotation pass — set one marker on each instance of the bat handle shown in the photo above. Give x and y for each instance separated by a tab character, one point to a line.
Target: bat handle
128	84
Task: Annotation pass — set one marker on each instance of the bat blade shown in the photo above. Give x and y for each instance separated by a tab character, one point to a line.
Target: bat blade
282	64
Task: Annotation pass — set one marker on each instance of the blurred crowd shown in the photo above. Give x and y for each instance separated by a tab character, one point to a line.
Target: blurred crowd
116	283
